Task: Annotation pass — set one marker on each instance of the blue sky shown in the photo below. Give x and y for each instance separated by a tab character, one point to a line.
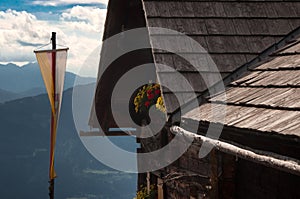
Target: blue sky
46	11
26	24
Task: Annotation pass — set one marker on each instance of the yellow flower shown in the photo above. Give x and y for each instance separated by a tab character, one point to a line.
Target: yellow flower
160	104
148	96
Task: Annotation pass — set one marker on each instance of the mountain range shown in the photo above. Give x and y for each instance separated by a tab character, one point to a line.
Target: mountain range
18	82
24	154
24	145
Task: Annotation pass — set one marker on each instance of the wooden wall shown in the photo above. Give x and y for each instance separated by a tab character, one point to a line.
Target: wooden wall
223	176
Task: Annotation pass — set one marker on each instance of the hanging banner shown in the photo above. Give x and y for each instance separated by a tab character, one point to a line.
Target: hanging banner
53	66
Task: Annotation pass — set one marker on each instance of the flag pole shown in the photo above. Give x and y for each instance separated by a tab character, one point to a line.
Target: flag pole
51	181
48	63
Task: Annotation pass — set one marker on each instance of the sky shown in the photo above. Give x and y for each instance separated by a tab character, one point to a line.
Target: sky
27	24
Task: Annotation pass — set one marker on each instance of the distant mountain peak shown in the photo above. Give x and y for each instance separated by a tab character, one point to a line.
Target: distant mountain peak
27	80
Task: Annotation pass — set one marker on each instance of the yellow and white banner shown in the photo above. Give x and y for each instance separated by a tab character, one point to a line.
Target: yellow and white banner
53	66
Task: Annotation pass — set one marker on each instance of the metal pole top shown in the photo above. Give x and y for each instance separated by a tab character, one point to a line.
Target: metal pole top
53	39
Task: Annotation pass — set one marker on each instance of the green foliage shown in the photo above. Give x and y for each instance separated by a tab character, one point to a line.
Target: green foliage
143	193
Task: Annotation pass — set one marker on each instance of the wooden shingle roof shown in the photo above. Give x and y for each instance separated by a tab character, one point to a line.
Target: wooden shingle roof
266	100
233	33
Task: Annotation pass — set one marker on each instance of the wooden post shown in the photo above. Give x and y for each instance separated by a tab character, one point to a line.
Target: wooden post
160	189
213	161
227	188
51	182
148	183
51	189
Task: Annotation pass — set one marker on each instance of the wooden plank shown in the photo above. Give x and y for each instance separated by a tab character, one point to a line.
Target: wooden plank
258	26
288	121
172	103
160	190
280	121
168	9
246	78
241	26
270	10
199	62
271	78
277	97
259	43
265	120
235	9
278	26
182	82
294	8
295	23
243	117
220	26
285	9
229	62
187	26
197	113
188	62
174	43
230	44
204	9
238	95
215	44
273	97
214	174
281	62
293	49
245	9
101	134
276	78
291	129
189	82
224	26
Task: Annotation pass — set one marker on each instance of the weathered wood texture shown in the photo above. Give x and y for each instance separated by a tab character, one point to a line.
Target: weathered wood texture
192	177
122	15
267	99
257	181
268	159
232	33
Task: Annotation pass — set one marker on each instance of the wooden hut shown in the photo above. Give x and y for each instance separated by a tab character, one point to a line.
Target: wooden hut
255	46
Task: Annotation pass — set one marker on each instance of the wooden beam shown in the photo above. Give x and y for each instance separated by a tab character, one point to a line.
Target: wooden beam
268	159
101	134
214	178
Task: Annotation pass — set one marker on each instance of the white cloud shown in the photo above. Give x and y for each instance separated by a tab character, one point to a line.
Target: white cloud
20	64
79	28
85	17
61	2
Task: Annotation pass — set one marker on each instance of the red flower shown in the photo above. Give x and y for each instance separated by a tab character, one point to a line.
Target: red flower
157	92
150	96
147	104
149	92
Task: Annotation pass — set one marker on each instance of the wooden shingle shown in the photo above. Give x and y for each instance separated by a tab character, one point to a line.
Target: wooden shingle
232	32
241	26
220	26
187	26
265	100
